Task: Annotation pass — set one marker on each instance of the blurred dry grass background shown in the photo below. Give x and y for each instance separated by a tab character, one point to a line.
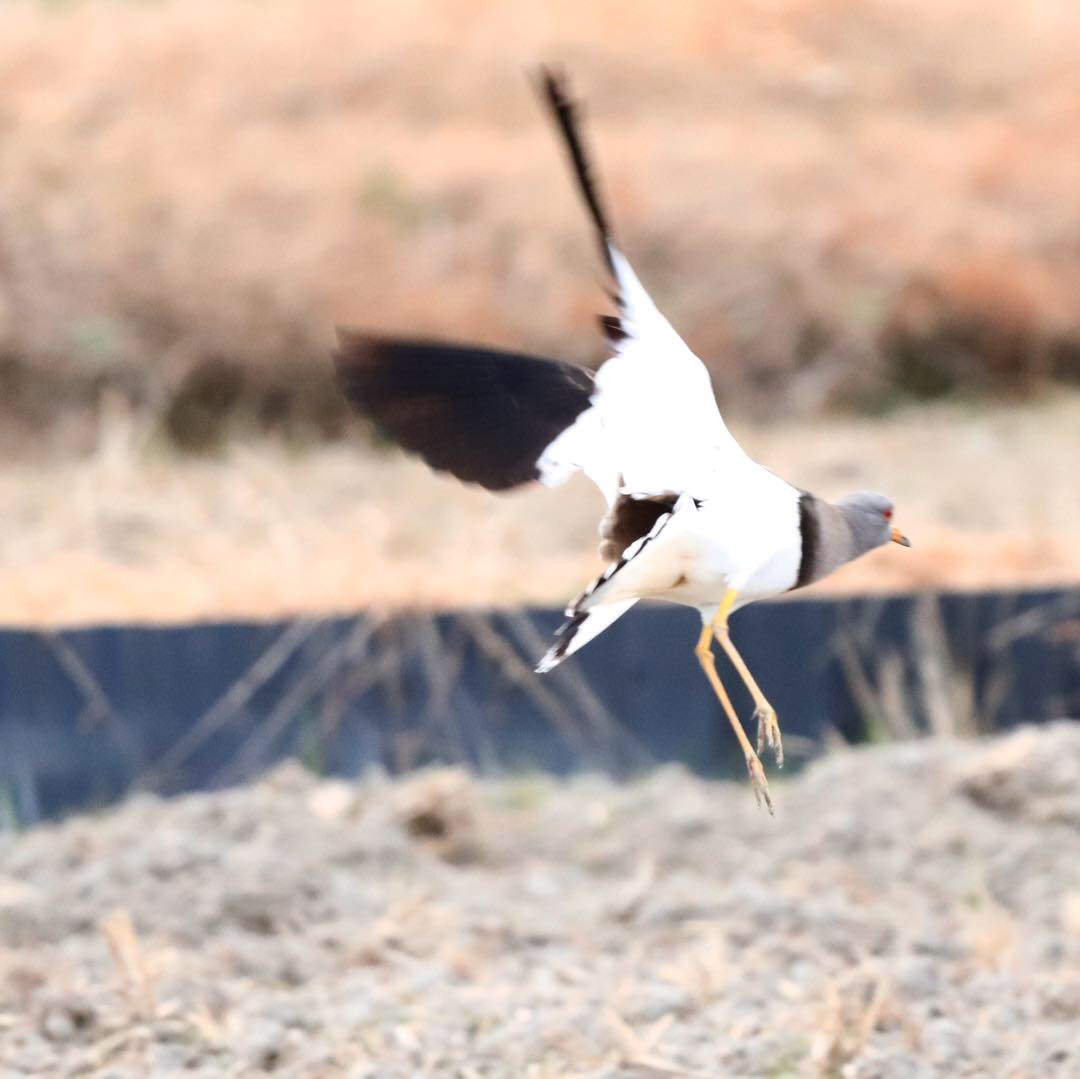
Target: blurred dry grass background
133	531
840	204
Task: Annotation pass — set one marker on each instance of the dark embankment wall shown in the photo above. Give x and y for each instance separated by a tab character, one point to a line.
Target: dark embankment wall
87	715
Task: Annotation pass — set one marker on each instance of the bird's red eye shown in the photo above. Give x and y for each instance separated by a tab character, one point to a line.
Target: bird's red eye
887	514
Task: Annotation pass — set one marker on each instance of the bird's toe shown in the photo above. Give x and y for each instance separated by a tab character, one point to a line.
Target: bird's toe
768	733
759	782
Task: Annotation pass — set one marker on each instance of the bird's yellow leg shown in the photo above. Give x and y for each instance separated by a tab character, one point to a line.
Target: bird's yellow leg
753	762
768	727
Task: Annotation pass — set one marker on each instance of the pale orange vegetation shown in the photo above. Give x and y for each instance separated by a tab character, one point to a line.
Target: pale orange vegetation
813	189
988	497
208	177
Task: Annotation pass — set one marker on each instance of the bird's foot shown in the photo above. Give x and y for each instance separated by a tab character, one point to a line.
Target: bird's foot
758	780
768	733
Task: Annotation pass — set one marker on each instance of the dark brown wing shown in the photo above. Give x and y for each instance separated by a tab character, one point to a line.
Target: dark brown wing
629	519
483	415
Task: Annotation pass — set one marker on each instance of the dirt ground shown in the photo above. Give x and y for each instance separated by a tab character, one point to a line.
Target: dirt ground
911	911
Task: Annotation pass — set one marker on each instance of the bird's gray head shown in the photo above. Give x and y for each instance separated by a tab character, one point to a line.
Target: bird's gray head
869	516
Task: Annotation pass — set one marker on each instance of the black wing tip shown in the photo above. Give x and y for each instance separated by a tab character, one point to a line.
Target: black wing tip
484	415
612	328
356	346
554	86
359	356
353	351
564	637
364	351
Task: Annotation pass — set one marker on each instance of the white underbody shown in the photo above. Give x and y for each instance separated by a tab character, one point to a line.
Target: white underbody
745	537
654	431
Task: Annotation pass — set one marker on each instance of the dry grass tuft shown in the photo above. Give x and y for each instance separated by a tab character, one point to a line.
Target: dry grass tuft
130	962
264	530
854	1006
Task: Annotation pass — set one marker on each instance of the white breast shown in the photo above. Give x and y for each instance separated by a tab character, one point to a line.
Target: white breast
749	532
745	536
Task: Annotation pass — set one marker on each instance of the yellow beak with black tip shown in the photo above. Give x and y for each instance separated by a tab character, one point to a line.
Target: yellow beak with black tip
898	537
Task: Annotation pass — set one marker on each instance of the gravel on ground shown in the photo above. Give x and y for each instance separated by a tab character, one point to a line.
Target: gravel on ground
911	910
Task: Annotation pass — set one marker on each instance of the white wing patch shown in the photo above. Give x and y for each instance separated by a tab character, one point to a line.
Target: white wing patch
654	425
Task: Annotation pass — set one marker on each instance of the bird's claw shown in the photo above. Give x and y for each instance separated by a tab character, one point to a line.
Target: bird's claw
768	733
759	782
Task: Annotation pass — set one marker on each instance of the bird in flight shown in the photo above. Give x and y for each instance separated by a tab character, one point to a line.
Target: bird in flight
690	517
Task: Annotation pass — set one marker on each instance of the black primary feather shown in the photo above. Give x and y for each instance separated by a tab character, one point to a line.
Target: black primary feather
564	637
555	92
483	415
612	329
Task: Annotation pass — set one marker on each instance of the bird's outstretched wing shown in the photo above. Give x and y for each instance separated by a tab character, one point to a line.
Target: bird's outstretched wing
482	415
646	425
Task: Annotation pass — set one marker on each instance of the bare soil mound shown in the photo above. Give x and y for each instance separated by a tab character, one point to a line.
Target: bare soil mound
911	911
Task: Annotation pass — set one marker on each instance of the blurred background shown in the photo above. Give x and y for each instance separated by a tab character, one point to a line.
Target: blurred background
864	216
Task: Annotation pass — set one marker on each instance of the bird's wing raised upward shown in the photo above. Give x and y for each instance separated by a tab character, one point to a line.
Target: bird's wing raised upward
654	408
645	424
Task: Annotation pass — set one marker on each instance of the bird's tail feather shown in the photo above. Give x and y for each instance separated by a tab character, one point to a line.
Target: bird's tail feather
579	629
